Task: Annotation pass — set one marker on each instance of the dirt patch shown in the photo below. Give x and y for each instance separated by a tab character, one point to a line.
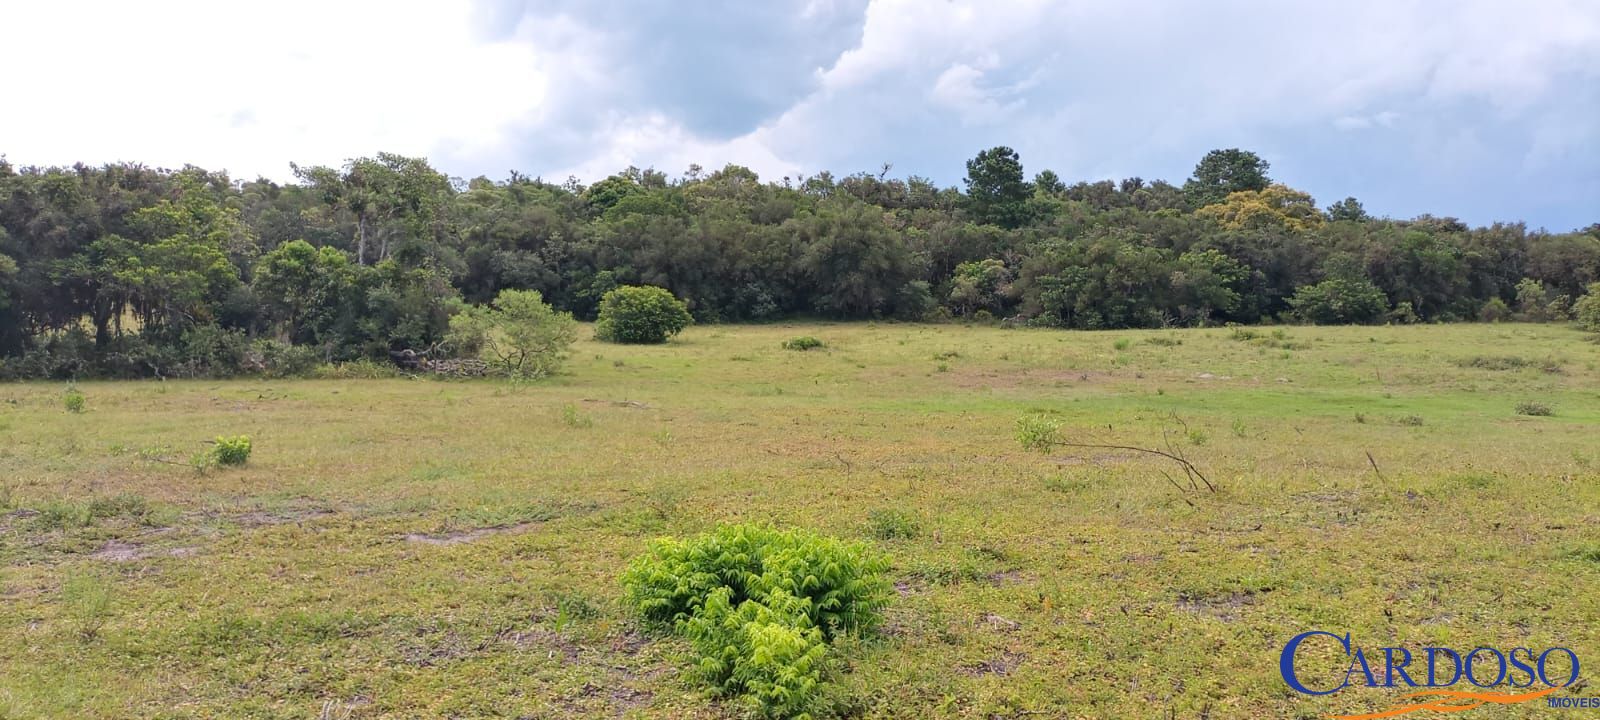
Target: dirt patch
998	623
261	518
631	404
119	551
1003	664
538	639
1226	607
1010	379
465	536
1007	577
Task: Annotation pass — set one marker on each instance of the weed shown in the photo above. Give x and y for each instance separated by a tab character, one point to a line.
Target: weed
892	525
73	400
87	601
1409	420
1122	344
1238	428
802	343
1536	409
1163	341
571	418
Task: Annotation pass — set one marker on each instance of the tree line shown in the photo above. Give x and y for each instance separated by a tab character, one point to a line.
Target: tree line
125	270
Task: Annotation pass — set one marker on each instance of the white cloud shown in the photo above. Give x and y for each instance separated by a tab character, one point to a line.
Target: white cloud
252	87
1091	90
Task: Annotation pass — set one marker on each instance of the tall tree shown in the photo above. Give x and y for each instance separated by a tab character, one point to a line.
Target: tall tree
996	189
1222	172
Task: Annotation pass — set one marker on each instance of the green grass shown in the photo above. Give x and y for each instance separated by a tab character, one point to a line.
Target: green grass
401	548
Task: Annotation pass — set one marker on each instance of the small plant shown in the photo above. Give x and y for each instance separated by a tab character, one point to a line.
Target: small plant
571	418
1361	418
1160	341
802	343
1122	344
760	607
87	601
1535	409
1238	428
1410	420
231	451
73	400
892	525
943	367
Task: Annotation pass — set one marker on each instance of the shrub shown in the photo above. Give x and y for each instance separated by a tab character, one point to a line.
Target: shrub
571	418
1535	409
1587	310
760	606
635	314
73	400
1496	310
1338	301
804	342
892	524
231	451
518	334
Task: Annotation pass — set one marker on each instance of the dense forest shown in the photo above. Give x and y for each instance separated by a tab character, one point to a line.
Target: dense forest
130	271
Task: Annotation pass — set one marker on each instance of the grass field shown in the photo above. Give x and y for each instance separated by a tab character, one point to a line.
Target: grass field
416	548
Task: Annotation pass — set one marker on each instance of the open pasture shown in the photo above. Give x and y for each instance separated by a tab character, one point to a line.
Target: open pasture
419	548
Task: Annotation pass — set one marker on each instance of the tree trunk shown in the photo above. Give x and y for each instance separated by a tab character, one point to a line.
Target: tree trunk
361	239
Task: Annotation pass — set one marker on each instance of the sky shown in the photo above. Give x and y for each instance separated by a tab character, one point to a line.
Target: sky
1484	110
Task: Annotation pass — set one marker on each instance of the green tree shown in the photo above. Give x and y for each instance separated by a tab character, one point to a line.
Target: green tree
996	189
641	314
519	334
1348	210
302	290
1224	172
398	203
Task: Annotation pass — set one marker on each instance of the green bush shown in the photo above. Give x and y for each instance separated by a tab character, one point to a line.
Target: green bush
1339	301
1535	409
635	314
230	451
1587	310
73	400
1496	310
804	342
892	524
760	606
518	334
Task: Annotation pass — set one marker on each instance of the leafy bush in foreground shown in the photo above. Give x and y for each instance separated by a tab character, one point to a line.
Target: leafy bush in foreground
760	606
229	451
634	314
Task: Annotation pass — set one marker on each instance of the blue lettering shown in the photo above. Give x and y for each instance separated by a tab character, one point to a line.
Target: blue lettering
1286	662
1455	667
1360	658
1472	678
1570	654
1519	665
1391	667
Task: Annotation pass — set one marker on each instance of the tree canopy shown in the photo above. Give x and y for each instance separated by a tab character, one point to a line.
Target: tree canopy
128	270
